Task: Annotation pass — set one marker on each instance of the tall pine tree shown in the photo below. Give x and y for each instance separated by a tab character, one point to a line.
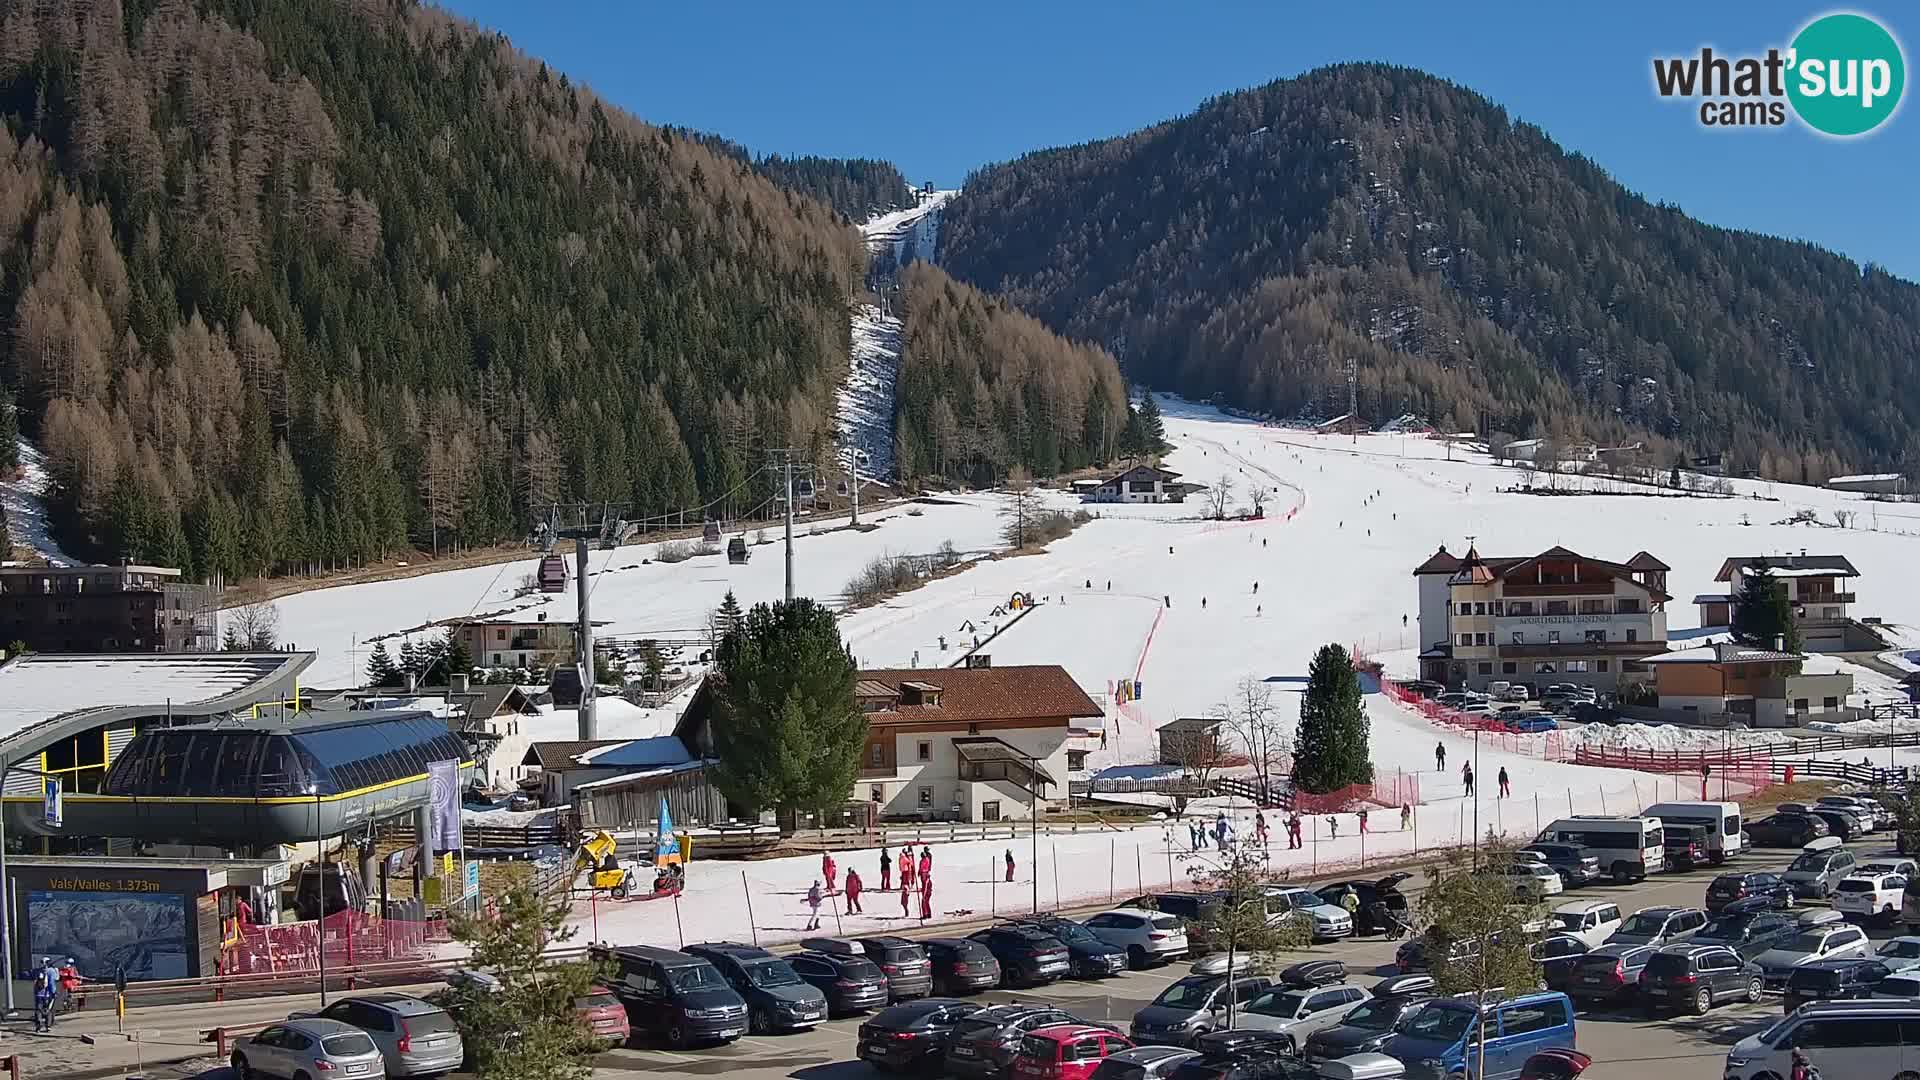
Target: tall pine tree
1331	750
1763	616
381	670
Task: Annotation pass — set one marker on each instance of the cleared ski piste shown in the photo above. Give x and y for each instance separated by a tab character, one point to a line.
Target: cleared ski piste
1338	569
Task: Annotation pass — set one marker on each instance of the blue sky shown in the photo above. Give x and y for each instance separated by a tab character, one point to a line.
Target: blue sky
942	89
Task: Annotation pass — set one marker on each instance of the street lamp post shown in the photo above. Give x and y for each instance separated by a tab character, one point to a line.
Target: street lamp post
1476	797
320	881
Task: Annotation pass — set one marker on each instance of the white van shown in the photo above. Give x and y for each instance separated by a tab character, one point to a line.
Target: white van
1843	1039
1629	848
1722	820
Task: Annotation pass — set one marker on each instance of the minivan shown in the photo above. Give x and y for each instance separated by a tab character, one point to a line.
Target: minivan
1722	820
1869	1038
1192	1007
1442	1034
1629	848
1821	865
678	997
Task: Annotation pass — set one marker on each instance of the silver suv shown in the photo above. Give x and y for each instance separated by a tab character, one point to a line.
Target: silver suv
415	1037
1299	1011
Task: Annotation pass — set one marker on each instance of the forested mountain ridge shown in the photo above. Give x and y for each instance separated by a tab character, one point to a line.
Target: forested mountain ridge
303	283
1474	271
857	187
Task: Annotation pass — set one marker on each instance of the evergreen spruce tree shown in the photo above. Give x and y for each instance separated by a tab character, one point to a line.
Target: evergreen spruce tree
380	667
459	659
786	728
727	616
409	658
1153	430
1331	750
1763	613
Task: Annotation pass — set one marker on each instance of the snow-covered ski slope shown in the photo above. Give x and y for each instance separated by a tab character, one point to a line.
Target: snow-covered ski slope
25	501
1339	569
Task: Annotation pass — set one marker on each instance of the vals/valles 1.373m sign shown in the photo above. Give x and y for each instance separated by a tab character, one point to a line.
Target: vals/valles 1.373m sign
1842	75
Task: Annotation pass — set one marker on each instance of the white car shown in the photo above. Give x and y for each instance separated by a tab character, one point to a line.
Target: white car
1532	879
1150	937
1906	868
1592	921
1292	902
1515	693
1829	942
1863	896
1478	708
1899	953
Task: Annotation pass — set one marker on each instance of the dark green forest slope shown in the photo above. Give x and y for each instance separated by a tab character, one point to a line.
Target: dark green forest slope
299	283
856	187
1474	271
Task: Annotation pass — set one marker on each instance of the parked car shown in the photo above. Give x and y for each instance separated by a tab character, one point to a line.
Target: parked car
777	998
1592	921
851	983
1686	845
415	1037
1588	712
1903	984
909	973
1193	910
1192	1007
1785	830
1027	955
961	966
1842	1039
1833	980
1819	867
1729	888
1143	1063
912	1035
306	1047
1609	974
1311	974
1530	879
1747	933
1411	983
1066	1051
604	1016
1149	937
1291	902
1557	954
1868	897
1570	861
1843	824
671	994
1877	815
1830	942
1416	954
1298	1012
1366	1029
1239	1055
984	1043
1088	955
1659	926
1899	953
1515	692
1694	977
1534	722
1438	1037
1366	894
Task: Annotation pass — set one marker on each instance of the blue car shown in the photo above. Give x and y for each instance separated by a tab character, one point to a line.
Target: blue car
1533	722
1434	1045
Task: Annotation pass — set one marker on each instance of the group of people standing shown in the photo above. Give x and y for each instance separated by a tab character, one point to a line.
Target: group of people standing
1466	772
912	872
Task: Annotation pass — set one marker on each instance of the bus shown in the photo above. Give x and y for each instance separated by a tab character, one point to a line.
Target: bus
1629	848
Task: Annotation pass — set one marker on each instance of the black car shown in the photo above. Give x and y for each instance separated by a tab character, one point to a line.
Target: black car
1827	980
1589	712
778	999
961	966
1384	890
1695	977
909	973
1192	909
1839	822
1027	955
671	994
1366	1029
1088	957
1416	954
1570	861
1243	1055
1768	888
1310	974
1685	845
851	983
912	1035
1747	933
1785	830
983	1044
1609	974
1557	954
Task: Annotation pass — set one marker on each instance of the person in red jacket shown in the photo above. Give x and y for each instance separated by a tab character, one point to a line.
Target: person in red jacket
1009	864
926	896
906	868
906	890
853	891
886	871
926	861
829	869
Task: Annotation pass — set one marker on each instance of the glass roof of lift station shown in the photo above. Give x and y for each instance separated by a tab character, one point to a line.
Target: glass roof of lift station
325	756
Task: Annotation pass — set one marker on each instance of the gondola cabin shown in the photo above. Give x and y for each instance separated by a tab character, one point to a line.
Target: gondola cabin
711	534
553	574
803	489
737	553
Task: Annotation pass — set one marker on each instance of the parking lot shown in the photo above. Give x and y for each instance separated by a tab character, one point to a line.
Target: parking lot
1625	1045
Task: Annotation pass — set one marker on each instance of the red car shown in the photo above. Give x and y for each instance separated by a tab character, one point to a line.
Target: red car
1066	1051
604	1016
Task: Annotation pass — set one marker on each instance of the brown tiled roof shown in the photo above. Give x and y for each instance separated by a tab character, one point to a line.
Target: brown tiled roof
1839	564
1439	563
560	755
972	695
1644	561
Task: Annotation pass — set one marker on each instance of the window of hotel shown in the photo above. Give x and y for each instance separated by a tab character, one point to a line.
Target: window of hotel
1595	607
1466	609
876	793
1576	667
1627	606
1499	607
926	798
1830	703
1799	704
1543	667
1596	636
1633	635
1603	665
990	810
1486	669
1479	639
1479	609
1519	637
1553	637
1509	668
1559	607
876	754
925	751
1466	639
1077	760
1520	607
